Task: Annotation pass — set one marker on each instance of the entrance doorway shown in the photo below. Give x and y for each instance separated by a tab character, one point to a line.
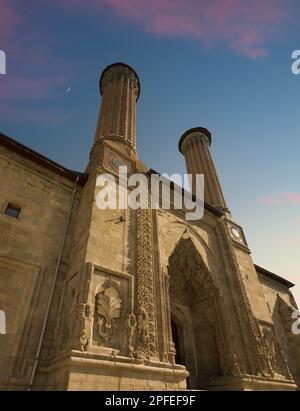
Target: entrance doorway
194	319
178	340
178	344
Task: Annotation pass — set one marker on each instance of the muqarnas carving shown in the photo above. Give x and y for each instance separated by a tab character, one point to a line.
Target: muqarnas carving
108	309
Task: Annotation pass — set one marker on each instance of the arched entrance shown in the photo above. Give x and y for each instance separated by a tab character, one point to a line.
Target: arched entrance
194	314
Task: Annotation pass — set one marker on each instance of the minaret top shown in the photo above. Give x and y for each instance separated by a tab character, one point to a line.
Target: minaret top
117	69
190	133
120	89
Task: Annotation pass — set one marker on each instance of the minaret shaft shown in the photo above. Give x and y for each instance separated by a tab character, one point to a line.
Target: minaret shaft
119	86
194	145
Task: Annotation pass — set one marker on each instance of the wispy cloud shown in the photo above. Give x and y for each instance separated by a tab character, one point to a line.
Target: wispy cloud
9	19
29	114
245	26
280	199
31	69
33	72
18	87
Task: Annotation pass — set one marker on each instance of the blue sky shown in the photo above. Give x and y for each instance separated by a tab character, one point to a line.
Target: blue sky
225	66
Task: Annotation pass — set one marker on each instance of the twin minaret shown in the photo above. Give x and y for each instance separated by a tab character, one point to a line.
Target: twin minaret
194	145
120	89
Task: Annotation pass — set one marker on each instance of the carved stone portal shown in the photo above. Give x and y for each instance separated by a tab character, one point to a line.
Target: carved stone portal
195	310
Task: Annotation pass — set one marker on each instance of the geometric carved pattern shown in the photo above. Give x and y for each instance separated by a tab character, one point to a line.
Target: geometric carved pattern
147	346
273	360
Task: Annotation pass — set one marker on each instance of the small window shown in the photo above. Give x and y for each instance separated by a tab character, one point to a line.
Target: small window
13	210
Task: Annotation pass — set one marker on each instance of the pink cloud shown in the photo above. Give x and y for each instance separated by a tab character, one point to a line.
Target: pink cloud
9	19
17	89
20	87
245	26
31	69
280	198
28	114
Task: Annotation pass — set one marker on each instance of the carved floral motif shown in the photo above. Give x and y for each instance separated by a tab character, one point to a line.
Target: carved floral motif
108	309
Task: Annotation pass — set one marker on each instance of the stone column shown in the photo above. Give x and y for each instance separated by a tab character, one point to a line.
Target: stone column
194	145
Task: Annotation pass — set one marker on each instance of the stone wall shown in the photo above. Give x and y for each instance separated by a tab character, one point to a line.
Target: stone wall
29	248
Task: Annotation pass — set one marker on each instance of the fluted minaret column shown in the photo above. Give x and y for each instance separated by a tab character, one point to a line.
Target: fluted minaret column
194	145
120	88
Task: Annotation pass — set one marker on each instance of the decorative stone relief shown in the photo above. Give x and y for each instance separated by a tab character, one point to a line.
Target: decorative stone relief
131	327
190	280
113	325
233	367
143	339
273	360
84	341
108	309
194	293
147	345
79	324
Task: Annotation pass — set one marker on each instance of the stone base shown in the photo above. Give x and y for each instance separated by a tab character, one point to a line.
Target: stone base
245	382
81	371
84	371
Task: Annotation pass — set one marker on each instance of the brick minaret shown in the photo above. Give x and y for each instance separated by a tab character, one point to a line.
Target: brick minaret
120	89
194	145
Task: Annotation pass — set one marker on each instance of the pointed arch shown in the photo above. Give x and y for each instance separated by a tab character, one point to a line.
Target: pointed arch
178	228
190	278
194	306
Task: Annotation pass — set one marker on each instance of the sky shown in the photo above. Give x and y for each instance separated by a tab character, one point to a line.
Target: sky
223	64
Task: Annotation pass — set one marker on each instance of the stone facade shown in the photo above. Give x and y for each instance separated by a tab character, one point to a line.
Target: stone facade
132	299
